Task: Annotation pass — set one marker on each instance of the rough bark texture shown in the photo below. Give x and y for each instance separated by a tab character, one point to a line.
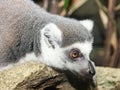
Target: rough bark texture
34	76
111	36
31	76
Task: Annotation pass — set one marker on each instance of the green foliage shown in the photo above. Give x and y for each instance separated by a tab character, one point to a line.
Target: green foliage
66	4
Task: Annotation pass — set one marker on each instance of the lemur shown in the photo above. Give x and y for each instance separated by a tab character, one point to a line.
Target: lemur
28	32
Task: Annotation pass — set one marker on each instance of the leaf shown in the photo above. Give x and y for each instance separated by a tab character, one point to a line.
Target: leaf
66	4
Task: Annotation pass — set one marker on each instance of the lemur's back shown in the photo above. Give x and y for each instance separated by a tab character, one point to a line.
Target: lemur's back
15	21
20	25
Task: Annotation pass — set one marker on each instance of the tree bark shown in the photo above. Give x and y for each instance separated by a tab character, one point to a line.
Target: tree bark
37	76
111	36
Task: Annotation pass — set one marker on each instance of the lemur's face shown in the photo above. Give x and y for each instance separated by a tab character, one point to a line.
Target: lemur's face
74	57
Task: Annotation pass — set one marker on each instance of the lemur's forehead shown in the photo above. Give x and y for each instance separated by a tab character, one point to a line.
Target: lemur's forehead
84	47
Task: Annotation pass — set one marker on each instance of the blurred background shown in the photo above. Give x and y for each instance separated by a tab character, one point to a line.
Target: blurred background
106	31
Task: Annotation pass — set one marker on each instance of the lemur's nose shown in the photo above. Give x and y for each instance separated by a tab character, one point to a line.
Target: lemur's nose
91	69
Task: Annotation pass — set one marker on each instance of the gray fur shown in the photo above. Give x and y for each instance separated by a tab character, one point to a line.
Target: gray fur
20	22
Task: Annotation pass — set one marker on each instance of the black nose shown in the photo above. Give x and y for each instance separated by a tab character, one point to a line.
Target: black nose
91	69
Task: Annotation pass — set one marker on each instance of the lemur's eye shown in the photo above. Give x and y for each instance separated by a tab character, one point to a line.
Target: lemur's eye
75	53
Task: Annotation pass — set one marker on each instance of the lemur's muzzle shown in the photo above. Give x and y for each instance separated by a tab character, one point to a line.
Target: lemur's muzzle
92	71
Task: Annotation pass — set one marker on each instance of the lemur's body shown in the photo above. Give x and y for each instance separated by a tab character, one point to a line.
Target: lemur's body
25	29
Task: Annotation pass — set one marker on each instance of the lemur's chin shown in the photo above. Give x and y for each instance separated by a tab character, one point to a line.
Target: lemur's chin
92	80
88	74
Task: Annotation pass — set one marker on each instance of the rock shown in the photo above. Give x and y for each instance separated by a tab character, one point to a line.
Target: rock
36	76
108	78
32	76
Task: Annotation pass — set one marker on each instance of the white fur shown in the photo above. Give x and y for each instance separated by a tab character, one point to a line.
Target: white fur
29	57
85	48
55	35
6	67
88	24
51	56
55	57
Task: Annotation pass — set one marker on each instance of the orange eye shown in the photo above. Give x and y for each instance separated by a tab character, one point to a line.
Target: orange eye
74	53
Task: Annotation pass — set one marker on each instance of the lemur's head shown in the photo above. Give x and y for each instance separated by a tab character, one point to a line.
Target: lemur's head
67	51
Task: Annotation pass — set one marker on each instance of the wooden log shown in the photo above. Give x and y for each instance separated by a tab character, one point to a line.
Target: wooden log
34	76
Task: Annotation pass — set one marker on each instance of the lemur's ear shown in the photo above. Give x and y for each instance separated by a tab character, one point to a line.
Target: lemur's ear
88	24
51	35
